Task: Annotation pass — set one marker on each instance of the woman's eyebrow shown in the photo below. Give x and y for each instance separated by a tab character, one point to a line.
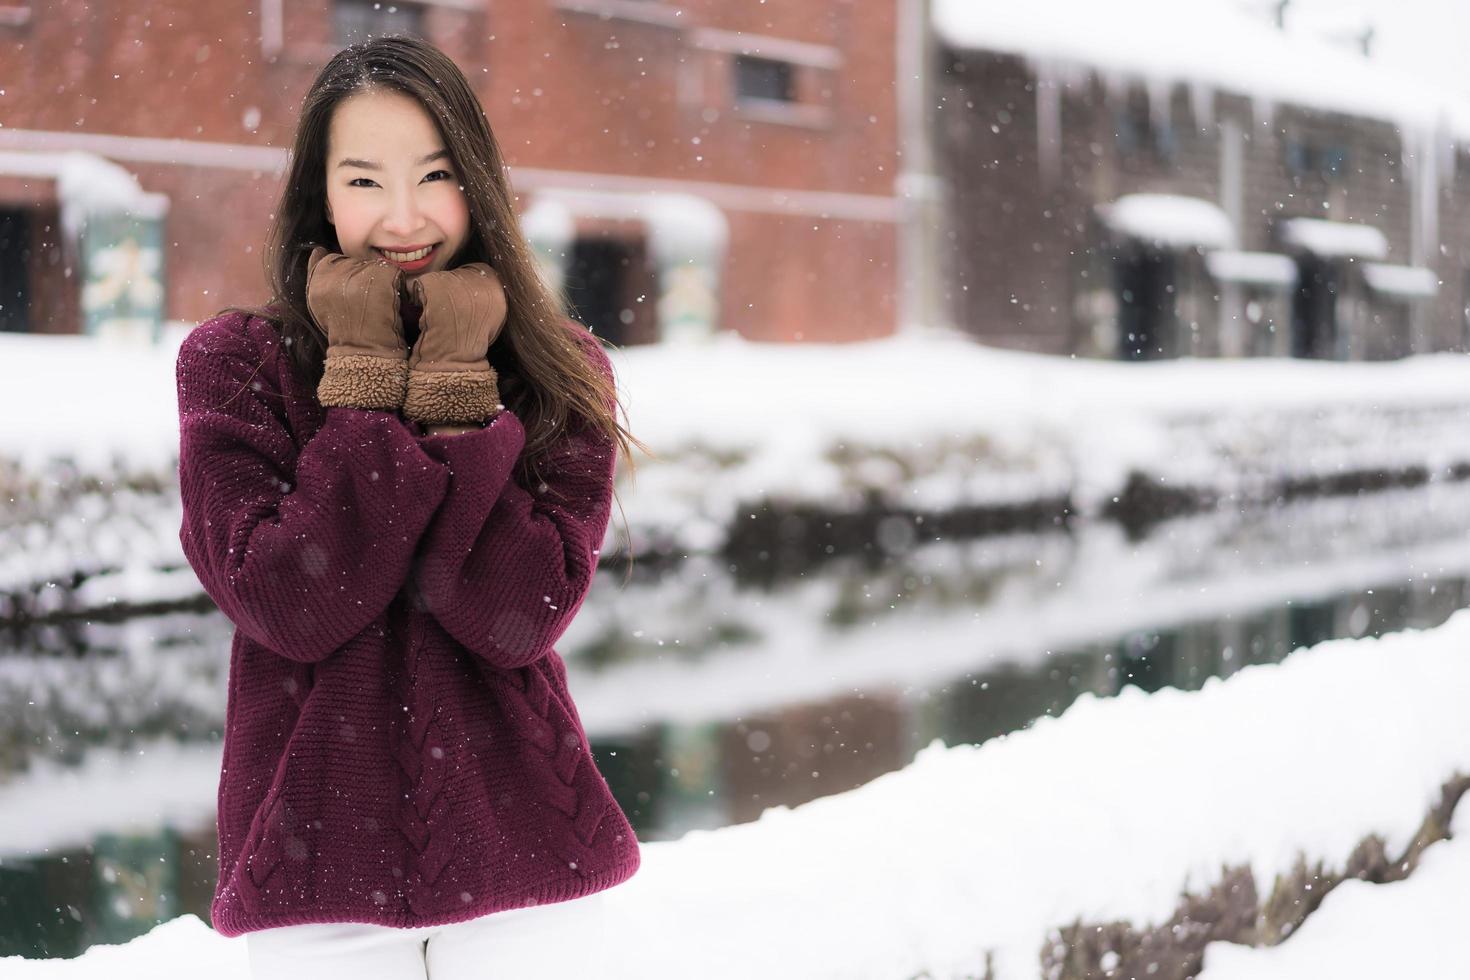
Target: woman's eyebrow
370	165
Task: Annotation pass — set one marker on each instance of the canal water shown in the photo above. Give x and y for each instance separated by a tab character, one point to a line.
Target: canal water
712	692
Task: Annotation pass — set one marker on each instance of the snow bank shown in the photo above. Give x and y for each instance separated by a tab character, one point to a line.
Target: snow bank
1107	812
924	421
930	421
1361	931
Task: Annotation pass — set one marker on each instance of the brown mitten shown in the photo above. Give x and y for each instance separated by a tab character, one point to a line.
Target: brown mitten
449	374
355	302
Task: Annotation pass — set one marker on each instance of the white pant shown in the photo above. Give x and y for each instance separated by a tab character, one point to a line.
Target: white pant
547	942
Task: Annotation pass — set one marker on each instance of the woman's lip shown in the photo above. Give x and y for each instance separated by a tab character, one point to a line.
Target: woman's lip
410	248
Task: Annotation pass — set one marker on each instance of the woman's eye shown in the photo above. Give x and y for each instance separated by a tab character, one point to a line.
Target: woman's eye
353	181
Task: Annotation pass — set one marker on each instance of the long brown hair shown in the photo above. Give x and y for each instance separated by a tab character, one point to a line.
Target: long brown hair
544	379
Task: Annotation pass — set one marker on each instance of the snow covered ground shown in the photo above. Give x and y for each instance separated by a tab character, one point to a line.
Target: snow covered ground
924	421
1108	812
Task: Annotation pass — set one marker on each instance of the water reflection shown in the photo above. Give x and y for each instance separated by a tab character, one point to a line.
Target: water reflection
117	887
709	698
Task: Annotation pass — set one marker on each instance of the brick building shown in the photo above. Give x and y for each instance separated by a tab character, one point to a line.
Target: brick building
686	167
1197	182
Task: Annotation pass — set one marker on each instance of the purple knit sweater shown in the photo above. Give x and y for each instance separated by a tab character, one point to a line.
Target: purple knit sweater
400	746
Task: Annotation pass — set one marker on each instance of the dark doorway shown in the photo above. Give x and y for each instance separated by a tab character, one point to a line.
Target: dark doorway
15	267
1314	308
1465	315
597	283
1145	282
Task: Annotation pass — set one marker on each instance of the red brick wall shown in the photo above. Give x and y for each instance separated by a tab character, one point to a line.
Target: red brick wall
564	91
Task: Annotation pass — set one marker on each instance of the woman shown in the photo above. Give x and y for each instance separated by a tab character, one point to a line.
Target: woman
396	480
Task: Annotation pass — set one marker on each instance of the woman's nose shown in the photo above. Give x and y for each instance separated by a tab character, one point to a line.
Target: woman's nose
404	215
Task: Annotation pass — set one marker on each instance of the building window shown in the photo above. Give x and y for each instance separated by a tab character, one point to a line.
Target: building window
1166	142
1139	134
1332	161
764	79
1298	157
1305	158
14	14
360	20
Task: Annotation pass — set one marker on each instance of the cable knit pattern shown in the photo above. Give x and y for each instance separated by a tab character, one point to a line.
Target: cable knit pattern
551	729
400	744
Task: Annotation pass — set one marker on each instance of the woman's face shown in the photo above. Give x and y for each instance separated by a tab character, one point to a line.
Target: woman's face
383	191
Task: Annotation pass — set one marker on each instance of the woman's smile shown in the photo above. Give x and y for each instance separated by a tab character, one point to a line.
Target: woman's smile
414	261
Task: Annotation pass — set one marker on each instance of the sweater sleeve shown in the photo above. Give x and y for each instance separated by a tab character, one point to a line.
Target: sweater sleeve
300	550
503	570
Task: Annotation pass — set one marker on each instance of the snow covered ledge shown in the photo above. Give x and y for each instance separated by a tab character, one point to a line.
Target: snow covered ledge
1109	821
930	422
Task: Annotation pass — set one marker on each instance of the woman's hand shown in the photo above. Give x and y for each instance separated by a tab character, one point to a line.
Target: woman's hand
355	302
450	379
451	430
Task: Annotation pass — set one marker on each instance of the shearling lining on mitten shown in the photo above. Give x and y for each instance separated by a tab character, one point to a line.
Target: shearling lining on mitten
437	397
363	381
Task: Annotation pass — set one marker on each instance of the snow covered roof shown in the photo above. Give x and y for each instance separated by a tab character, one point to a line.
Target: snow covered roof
1170	220
680	223
1211	43
1261	268
87	185
1400	280
1334	239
